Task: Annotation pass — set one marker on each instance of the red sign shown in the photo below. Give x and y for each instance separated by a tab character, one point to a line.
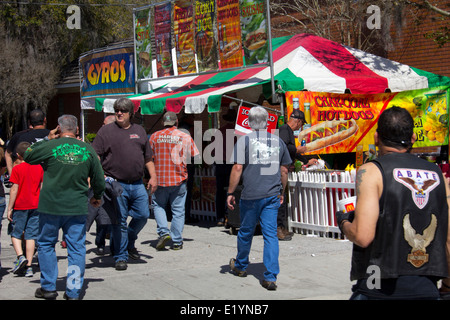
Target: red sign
242	127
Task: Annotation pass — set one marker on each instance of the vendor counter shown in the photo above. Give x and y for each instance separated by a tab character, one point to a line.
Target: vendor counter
312	200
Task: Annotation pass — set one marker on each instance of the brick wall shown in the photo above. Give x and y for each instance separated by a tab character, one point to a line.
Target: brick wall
411	47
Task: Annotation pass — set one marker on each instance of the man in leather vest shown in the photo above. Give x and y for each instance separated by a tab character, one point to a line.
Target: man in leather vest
400	225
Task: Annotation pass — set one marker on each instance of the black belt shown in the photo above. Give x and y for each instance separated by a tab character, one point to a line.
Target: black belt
130	181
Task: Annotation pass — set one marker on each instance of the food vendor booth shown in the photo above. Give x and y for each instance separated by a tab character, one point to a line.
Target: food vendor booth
190	59
345	124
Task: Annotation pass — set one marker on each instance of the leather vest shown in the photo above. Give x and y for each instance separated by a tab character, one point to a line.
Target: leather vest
411	231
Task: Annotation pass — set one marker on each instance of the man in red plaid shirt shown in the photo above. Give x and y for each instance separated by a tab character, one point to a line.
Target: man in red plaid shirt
172	149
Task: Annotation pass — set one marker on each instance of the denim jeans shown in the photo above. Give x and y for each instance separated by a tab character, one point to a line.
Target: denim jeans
2	206
134	203
74	229
176	196
265	211
2	211
26	224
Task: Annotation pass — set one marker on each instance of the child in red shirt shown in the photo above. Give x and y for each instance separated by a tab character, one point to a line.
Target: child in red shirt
22	209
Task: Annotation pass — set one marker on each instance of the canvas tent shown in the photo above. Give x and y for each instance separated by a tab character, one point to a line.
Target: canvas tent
302	61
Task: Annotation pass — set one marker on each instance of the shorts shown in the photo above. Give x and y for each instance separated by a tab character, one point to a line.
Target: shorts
25	222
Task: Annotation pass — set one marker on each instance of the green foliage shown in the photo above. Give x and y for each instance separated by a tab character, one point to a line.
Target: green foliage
89	137
37	44
440	37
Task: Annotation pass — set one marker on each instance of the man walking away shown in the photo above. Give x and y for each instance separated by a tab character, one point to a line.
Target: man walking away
172	149
261	159
70	166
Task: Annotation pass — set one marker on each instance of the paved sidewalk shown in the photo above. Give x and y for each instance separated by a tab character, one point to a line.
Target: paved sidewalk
312	268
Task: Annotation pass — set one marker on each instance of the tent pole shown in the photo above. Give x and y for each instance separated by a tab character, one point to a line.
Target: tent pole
269	33
80	76
82	124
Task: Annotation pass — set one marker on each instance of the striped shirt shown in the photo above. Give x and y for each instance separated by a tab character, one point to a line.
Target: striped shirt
172	150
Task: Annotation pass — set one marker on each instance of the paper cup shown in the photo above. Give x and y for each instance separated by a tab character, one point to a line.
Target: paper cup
347	204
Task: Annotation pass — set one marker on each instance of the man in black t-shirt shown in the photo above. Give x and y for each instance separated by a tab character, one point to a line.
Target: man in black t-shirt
286	133
124	150
38	131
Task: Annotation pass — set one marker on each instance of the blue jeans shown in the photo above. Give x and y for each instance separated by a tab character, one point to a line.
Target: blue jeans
2	206
134	203
265	211
176	196
74	229
2	211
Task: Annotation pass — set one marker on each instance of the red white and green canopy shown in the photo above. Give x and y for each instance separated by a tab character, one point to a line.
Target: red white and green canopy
302	61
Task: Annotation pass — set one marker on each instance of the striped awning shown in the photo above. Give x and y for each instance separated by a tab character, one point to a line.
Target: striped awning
301	62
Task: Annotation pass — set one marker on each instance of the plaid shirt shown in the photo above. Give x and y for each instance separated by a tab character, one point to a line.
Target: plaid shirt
171	149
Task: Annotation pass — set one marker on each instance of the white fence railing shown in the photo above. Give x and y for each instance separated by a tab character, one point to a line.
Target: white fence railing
312	205
313	200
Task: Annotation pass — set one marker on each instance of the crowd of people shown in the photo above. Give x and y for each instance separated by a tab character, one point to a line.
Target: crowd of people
116	178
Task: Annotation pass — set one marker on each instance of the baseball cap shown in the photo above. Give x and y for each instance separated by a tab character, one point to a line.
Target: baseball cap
297	114
169	118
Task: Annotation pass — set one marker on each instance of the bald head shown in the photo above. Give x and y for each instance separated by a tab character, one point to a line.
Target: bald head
109	119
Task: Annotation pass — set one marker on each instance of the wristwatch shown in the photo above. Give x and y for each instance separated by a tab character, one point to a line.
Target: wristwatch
230	194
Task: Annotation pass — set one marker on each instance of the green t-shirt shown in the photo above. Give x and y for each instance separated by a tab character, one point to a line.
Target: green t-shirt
68	163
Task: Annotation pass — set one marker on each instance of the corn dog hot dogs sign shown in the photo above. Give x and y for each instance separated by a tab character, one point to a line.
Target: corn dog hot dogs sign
340	122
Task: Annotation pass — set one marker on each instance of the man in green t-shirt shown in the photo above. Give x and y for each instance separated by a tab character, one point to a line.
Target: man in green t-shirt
71	167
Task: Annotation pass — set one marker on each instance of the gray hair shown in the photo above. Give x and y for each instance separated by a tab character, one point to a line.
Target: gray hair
257	118
68	123
124	105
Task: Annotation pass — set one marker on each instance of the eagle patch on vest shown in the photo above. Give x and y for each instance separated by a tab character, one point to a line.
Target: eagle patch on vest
419	242
420	182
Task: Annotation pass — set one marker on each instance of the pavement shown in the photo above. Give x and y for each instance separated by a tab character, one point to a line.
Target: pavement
311	268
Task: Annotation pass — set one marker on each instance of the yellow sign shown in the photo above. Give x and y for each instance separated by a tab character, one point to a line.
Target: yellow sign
341	122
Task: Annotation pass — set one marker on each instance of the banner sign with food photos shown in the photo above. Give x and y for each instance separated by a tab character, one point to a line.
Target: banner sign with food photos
254	31
108	72
206	46
229	34
163	39
183	28
195	36
142	44
341	122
